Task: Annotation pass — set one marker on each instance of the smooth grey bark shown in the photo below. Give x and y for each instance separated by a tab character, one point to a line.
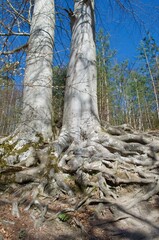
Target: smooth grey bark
80	118
37	94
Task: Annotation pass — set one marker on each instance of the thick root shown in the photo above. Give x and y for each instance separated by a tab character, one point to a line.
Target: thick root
119	163
117	168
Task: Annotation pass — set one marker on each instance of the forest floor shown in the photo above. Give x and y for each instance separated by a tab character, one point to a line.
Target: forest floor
106	189
83	224
88	222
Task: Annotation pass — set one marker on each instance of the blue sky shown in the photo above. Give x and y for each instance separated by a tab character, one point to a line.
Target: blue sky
126	29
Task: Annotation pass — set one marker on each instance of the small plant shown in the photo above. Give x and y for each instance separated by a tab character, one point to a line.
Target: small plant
64	217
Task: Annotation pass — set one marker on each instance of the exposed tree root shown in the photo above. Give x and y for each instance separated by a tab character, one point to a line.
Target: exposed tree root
118	168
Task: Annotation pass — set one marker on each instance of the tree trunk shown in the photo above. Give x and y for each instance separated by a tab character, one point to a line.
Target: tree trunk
140	119
80	117
153	83
37	95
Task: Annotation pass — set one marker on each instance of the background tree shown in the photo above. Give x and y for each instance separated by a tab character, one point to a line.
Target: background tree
10	98
59	79
104	64
149	66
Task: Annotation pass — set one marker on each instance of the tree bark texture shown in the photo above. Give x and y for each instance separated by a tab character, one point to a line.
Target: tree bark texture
37	95
80	116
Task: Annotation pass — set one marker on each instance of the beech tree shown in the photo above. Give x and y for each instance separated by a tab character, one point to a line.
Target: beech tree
148	51
80	117
105	57
116	166
36	114
37	94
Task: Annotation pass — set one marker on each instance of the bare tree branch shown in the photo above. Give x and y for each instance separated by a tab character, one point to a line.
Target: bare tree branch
15	34
15	50
17	13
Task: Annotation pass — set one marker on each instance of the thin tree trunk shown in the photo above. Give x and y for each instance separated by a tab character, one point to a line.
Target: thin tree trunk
80	117
37	94
99	88
153	83
140	121
107	103
147	113
105	96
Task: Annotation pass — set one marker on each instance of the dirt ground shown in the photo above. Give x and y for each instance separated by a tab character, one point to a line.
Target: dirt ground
29	224
90	222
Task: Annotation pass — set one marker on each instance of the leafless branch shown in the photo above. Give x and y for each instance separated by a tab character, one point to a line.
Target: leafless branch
15	50
17	13
23	34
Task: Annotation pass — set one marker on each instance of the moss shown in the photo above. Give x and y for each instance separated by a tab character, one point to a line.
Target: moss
7	178
8	148
53	163
13	151
3	163
55	167
23	149
41	139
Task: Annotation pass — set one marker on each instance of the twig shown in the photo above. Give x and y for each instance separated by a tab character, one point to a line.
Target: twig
15	50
